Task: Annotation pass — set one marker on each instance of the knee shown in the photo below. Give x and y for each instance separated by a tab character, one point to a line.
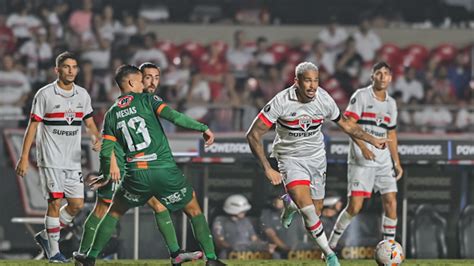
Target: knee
391	205
101	209
74	208
353	209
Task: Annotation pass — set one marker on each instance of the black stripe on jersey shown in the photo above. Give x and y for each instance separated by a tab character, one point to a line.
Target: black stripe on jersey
389	235
298	128
392	127
62	123
372	123
88	115
337	118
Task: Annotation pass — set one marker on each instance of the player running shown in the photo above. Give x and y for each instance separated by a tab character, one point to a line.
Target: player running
368	168
58	111
151	170
151	80
299	111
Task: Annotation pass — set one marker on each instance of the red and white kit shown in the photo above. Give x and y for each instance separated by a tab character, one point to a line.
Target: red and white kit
299	143
376	118
58	138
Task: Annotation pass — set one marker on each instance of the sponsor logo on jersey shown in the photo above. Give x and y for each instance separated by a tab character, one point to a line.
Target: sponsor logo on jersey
125	101
66	133
305	122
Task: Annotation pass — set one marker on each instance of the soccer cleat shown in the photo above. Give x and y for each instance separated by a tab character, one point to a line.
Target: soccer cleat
84	260
332	260
184	256
58	258
215	262
288	212
43	243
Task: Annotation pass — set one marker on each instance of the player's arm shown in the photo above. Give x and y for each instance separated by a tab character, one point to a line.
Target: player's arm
94	132
274	239
366	152
114	168
393	147
106	152
23	162
185	121
254	137
355	131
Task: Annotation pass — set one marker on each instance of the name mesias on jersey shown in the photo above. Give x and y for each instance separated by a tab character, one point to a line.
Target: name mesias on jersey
376	118
298	125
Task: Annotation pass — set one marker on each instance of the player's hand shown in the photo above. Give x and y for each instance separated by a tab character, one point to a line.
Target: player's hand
368	154
22	167
96	144
398	171
380	143
273	176
95	182
114	173
208	137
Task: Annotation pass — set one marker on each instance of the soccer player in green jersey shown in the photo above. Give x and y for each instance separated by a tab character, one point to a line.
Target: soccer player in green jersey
150	167
105	192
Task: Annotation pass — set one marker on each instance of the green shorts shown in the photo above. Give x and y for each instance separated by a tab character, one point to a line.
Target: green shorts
168	185
106	193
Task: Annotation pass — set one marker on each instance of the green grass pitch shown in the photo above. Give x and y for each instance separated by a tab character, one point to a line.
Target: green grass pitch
250	262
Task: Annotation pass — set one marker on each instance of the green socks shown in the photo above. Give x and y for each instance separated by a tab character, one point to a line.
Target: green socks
166	227
203	235
104	231
90	227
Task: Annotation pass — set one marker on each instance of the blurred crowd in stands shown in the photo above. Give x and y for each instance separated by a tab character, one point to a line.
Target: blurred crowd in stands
223	84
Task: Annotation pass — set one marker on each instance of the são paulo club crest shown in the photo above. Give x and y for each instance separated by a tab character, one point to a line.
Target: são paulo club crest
69	115
305	122
379	119
125	101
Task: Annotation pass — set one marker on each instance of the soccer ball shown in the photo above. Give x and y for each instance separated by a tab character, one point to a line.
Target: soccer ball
389	253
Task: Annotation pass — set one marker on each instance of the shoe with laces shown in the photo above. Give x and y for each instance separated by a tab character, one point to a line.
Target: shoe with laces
332	260
288	212
184	256
43	243
215	262
58	258
84	260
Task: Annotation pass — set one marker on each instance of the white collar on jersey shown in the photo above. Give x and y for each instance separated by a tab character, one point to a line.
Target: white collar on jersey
375	96
60	91
294	97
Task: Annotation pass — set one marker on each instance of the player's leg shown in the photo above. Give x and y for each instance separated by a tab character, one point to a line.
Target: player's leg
90	225
201	230
165	224
386	184
360	183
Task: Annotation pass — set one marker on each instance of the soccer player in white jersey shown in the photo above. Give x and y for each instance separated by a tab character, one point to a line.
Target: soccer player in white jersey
368	168
299	112
58	111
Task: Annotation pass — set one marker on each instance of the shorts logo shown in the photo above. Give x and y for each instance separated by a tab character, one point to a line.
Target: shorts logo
305	122
379	119
125	101
130	196
175	197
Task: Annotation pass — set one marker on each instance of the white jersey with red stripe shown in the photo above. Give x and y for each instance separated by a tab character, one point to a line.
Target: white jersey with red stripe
58	140
298	125
376	118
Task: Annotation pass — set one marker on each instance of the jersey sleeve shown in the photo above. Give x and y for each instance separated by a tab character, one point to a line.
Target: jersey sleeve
88	111
108	144
271	112
38	109
332	110
354	109
393	116
156	102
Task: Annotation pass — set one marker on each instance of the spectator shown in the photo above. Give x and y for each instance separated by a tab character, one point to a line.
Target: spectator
459	75
235	231
284	239
213	70
348	66
320	57
434	118
149	53
109	26
409	86
52	23
80	20
14	89
261	54
198	95
464	119
442	86
367	42
37	53
272	83
7	38
239	58
333	37
177	77
22	23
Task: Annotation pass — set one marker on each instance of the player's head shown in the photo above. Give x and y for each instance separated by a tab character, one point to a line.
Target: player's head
66	67
129	79
307	80
151	77
381	75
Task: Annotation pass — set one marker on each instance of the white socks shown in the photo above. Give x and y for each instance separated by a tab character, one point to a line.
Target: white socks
389	228
64	217
342	222
52	229
315	228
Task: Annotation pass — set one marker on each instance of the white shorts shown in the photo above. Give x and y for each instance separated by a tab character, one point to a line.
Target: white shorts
361	180
311	172
61	183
